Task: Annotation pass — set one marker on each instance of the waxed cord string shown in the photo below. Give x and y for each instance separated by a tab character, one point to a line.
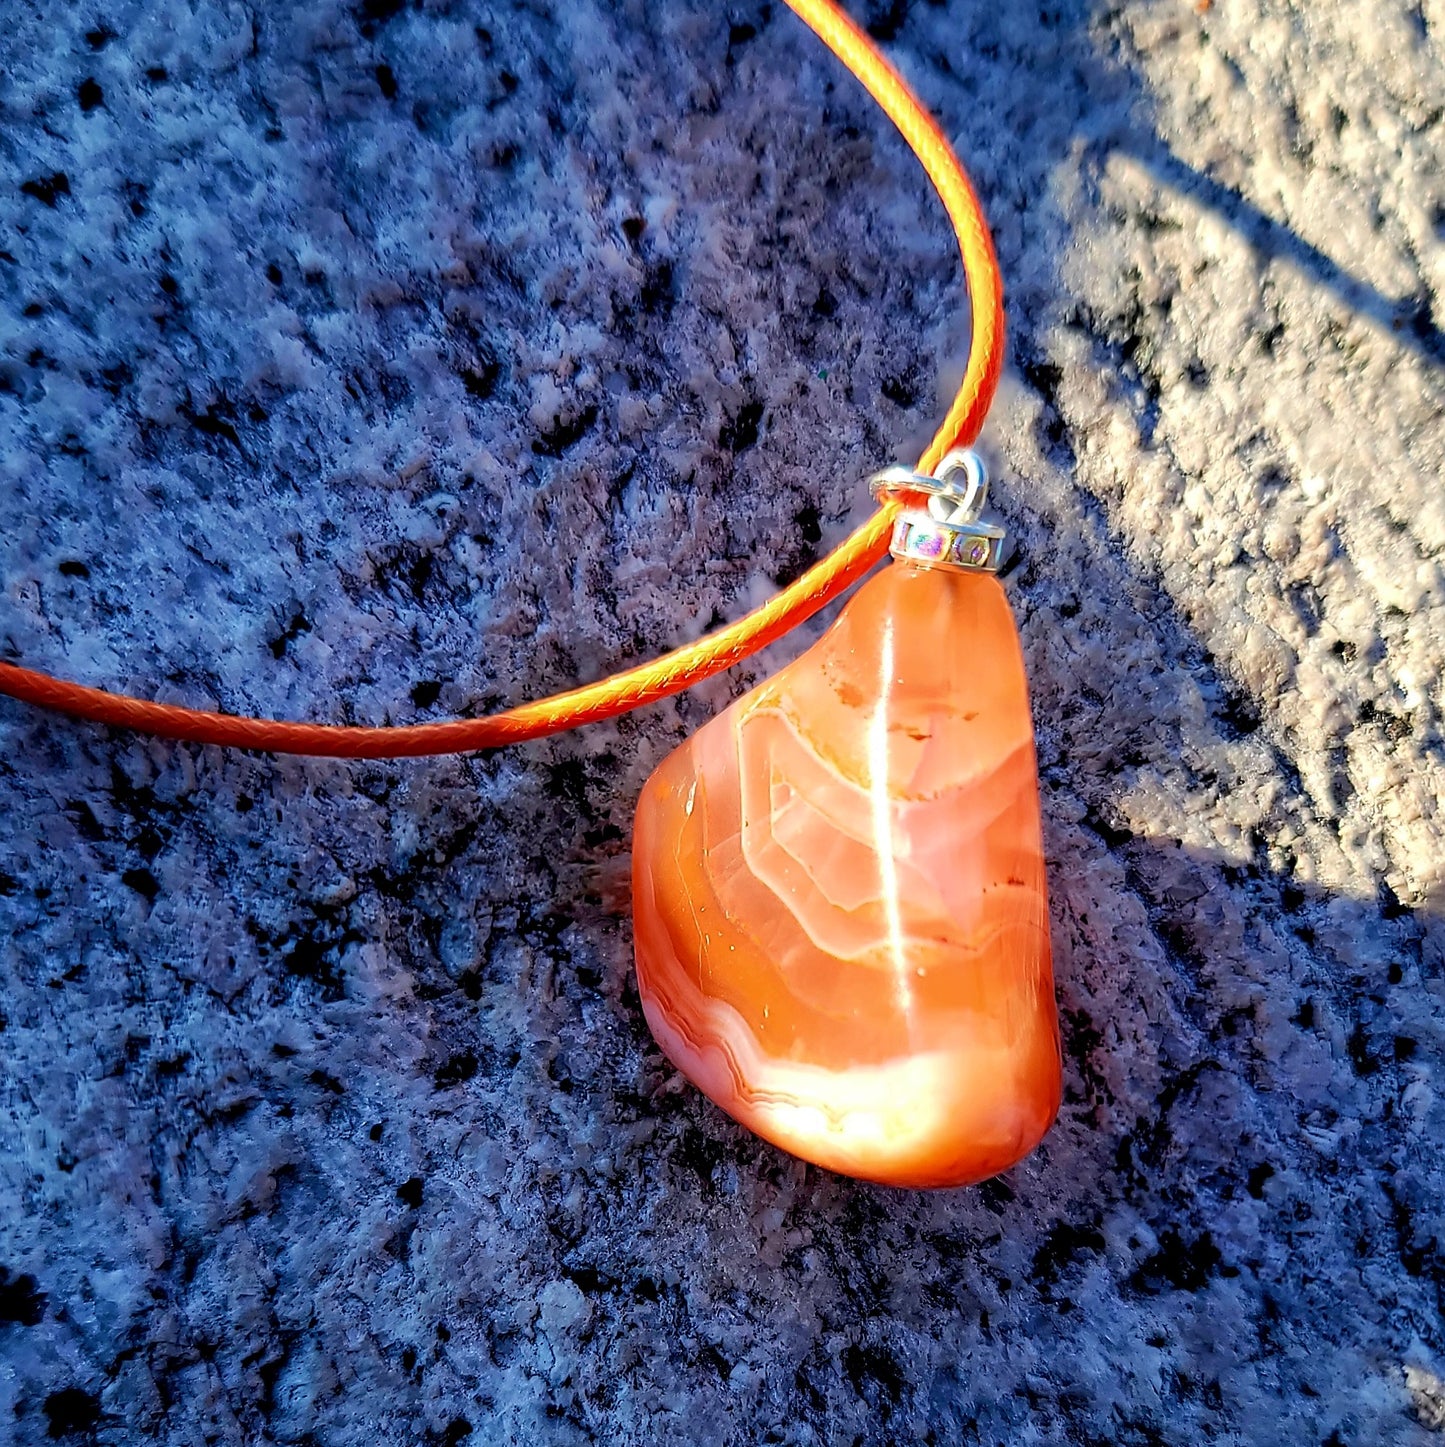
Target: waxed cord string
690	664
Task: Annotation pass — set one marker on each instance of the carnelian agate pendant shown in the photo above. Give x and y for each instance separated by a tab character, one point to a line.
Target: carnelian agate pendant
840	910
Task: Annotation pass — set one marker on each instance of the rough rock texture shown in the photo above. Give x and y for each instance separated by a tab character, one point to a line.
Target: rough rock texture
377	361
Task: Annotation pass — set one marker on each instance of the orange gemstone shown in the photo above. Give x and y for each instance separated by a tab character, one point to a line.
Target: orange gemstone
838	884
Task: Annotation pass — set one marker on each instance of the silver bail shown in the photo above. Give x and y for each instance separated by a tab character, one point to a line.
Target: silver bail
950	530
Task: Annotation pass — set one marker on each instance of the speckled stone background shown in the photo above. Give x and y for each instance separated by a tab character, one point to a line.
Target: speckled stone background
378	361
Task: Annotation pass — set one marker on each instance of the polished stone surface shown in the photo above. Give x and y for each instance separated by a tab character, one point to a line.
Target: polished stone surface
838	895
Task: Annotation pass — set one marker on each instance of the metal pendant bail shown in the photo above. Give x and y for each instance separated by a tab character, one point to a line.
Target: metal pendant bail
949	530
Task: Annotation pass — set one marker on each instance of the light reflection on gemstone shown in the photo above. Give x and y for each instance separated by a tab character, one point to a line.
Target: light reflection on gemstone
883	845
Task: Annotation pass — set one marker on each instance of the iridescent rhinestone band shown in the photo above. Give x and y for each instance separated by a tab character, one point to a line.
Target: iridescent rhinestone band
920	539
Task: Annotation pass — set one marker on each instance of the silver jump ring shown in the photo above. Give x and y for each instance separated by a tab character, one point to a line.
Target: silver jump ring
949	531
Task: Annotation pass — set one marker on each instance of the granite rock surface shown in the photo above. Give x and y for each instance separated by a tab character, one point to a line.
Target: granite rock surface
380	361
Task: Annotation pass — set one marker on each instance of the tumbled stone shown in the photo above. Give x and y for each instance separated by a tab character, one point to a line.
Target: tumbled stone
841	917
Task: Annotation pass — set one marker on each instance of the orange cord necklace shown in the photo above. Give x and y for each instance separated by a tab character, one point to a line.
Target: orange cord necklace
683	667
839	905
